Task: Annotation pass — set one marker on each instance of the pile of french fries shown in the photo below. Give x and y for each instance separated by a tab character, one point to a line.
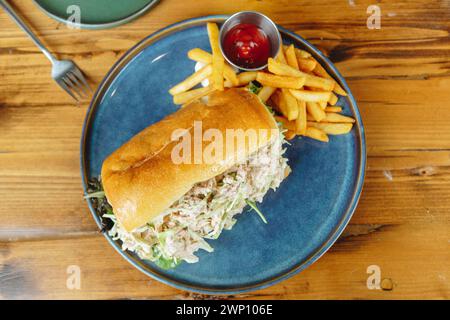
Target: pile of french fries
295	85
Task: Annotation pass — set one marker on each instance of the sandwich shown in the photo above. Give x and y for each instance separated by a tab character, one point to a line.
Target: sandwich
165	205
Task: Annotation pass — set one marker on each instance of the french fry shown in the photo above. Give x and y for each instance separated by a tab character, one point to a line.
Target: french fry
310	118
265	93
289	135
321	83
188	96
306	65
300	122
192	80
302	53
281	104
291	58
245	77
218	61
230	75
322	104
316	134
282	69
315	111
311	96
200	55
332	128
267	79
333	109
281	57
288	125
227	84
291	104
336	117
274	101
333	99
320	71
338	89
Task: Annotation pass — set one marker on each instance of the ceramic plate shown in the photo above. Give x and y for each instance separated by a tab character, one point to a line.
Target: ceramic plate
97	14
306	214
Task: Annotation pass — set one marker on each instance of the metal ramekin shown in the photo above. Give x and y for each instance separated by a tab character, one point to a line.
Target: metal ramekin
258	19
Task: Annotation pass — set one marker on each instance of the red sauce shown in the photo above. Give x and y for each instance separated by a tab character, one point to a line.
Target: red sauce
247	46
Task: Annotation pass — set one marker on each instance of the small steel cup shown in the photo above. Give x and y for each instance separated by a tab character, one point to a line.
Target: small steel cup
258	19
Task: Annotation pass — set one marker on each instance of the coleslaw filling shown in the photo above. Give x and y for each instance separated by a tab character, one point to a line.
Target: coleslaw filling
206	210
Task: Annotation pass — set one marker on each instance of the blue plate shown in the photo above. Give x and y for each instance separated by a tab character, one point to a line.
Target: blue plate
306	214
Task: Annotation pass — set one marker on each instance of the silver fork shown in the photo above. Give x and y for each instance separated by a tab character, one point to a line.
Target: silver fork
64	72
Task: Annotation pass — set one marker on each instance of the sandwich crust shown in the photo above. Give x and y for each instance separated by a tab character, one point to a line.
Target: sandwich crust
141	180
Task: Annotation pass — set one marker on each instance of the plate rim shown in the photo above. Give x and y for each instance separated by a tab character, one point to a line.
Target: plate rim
314	256
98	26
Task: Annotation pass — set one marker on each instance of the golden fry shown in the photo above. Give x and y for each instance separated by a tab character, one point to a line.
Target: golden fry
321	83
188	96
302	54
311	96
320	71
282	104
271	80
336	117
289	135
200	55
265	93
300	122
218	61
333	99
291	58
316	134
322	104
332	128
288	125
192	80
338	89
282	69
291	104
315	111
230	75
281	57
227	84
245	77
333	109
306	65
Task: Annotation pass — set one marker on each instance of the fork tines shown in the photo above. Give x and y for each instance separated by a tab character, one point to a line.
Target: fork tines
74	83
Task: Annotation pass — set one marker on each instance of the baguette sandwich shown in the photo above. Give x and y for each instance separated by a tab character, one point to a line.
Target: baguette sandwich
164	208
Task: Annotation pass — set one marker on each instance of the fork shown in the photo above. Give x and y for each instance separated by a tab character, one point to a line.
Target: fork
64	72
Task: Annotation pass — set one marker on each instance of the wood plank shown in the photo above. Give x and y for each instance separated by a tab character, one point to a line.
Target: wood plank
37	269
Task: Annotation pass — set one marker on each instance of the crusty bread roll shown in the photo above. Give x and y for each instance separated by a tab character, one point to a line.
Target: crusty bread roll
141	180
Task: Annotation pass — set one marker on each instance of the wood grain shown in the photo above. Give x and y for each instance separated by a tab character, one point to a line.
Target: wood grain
399	75
38	269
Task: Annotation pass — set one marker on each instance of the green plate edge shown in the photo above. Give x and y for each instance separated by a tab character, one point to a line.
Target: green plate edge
97	26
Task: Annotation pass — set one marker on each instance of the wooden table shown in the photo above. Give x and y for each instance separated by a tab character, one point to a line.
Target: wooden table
399	74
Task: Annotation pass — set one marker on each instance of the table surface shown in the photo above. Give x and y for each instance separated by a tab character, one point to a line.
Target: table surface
399	74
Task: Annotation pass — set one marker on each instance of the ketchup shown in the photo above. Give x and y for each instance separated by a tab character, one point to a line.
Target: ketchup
247	46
